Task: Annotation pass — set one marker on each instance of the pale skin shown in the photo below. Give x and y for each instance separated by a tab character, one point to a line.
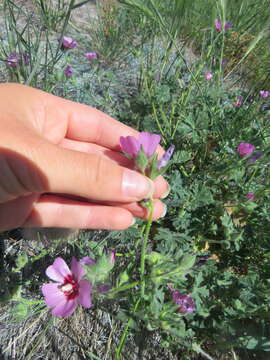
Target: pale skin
61	166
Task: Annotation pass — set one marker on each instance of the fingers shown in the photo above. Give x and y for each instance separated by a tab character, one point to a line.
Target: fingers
85	123
161	185
56	211
89	176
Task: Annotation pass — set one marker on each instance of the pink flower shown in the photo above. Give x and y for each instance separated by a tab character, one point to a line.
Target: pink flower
68	71
91	55
250	196
208	76
218	25
186	302
68	290
239	101
245	149
264	94
68	43
147	141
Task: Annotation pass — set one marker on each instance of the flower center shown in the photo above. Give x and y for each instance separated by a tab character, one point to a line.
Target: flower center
70	287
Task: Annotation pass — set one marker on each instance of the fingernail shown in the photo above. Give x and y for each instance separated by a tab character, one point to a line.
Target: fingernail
133	221
164	212
136	186
166	193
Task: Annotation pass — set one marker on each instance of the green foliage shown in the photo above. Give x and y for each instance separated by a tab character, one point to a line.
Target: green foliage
213	243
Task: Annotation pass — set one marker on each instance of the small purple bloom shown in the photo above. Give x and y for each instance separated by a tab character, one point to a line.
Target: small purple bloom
239	101
13	60
91	55
186	302
68	71
202	260
166	157
255	156
68	43
87	261
147	141
250	196
208	76
245	149
227	26
25	58
218	25
264	94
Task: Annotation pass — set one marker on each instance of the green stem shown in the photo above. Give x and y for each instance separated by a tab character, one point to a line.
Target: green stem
125	333
144	246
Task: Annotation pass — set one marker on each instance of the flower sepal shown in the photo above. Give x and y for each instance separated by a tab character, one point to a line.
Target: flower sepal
141	161
99	272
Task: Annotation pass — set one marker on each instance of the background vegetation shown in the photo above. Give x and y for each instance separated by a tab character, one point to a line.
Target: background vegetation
150	73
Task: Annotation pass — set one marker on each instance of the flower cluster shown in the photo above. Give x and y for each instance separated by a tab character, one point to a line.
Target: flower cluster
186	302
15	60
143	152
219	27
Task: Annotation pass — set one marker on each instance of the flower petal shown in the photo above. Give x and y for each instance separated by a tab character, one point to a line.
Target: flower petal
84	297
58	270
77	269
149	142
129	145
53	295
86	260
65	308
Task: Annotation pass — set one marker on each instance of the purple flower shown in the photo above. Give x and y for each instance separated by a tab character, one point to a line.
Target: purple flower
264	94
147	141
68	43
69	290
239	101
245	149
68	71
218	25
202	260
166	157
13	60
186	302
91	55
87	261
255	156
25	58
112	257
250	196
208	76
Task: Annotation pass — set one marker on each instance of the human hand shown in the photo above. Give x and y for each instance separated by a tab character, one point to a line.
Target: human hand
61	166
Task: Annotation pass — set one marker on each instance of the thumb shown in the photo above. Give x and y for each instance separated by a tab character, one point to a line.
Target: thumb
90	176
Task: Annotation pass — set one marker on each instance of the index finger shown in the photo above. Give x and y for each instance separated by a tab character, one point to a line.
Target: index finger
89	124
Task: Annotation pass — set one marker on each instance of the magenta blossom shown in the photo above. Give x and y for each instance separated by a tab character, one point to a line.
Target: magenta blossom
218	25
239	101
186	302
68	71
245	149
91	55
250	196
68	43
264	94
208	76
69	290
146	141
